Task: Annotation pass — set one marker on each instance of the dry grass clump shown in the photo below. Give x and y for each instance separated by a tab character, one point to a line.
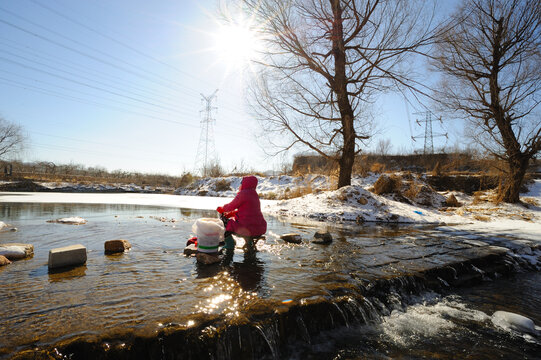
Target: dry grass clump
481	217
413	190
451	201
299	191
478	197
530	201
377	168
222	185
387	185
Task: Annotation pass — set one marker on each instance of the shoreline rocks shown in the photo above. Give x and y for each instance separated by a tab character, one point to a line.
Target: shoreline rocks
322	237
292	238
16	251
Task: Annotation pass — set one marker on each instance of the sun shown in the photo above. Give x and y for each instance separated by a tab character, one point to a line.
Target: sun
237	44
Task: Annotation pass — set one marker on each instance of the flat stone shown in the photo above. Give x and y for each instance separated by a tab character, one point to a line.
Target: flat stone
322	237
291	238
4	260
207	259
67	256
116	246
190	250
16	251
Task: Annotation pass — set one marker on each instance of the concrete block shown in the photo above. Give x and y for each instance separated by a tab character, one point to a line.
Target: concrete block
67	256
116	246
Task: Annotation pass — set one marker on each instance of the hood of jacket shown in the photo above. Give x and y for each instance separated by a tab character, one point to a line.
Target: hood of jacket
249	183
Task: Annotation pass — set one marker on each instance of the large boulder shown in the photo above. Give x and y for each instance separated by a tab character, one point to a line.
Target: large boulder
16	251
116	246
72	255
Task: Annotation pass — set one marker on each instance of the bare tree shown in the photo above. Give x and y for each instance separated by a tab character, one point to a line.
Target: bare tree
491	57
324	64
383	147
11	138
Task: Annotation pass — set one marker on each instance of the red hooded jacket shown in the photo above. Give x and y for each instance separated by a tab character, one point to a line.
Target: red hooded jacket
249	220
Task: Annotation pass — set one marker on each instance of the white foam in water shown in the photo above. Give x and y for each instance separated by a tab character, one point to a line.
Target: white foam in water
427	321
509	321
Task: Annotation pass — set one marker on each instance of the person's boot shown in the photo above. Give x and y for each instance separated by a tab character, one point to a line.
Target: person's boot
229	240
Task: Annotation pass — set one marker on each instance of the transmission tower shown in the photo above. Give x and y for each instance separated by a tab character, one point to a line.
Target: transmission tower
206	152
428	135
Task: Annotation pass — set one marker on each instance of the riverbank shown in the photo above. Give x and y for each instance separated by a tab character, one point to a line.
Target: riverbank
413	201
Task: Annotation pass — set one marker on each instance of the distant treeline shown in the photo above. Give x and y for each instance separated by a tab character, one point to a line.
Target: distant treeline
419	163
77	173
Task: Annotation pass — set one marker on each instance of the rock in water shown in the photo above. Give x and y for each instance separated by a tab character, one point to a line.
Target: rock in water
74	220
207	259
4	260
291	238
190	250
322	237
116	246
509	320
67	256
16	251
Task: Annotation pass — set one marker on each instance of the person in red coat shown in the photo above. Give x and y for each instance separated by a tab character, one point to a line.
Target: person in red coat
248	220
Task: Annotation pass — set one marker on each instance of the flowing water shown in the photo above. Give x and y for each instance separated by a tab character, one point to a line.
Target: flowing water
302	300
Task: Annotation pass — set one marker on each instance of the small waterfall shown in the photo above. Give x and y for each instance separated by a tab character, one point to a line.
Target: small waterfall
273	335
269	333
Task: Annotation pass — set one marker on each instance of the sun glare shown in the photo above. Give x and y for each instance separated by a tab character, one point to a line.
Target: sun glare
237	45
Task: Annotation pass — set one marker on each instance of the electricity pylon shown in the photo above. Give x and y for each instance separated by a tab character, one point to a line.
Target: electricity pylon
428	135
206	151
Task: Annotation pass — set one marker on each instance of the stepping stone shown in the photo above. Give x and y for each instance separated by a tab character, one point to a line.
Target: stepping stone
16	251
4	260
207	259
67	256
322	237
190	250
116	246
291	238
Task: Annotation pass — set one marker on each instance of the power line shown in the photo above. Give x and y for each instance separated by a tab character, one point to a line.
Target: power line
113	107
178	85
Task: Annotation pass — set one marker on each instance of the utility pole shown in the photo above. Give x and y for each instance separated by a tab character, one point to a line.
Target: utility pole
428	135
206	152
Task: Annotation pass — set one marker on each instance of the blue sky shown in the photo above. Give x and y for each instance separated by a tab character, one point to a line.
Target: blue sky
118	83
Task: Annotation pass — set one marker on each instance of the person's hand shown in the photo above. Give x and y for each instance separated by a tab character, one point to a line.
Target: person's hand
220	209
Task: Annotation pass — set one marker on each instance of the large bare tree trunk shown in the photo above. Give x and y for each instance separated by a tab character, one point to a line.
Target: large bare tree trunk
340	88
510	192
